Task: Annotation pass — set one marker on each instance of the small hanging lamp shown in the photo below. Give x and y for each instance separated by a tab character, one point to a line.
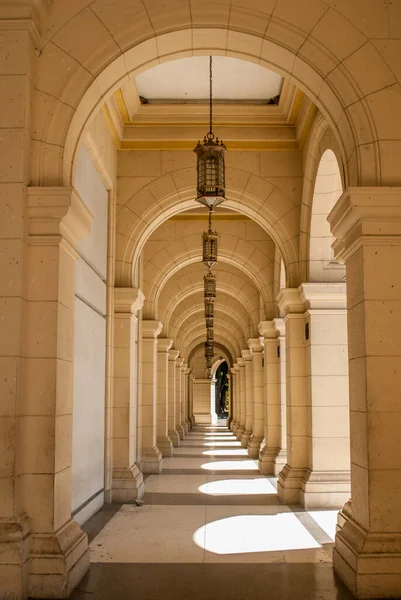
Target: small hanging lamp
209	308
210	161
209	350
209	322
210	334
210	241
209	281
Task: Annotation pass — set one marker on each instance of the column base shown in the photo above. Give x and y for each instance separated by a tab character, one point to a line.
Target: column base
180	431
165	446
174	437
368	563
289	485
266	460
127	485
245	437
193	421
280	462
185	427
254	446
239	433
325	489
188	424
151	460
232	425
15	539
58	561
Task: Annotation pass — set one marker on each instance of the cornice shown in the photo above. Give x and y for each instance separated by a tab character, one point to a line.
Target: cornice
128	300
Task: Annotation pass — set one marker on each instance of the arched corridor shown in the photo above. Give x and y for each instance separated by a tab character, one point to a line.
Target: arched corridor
112	335
211	524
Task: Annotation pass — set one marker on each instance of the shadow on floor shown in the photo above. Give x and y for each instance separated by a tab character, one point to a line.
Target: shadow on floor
146	581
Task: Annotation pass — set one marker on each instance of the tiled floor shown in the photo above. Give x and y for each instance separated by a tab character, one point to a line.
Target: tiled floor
211	528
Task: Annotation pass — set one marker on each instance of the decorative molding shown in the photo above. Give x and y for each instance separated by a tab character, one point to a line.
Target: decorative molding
128	300
268	330
289	301
164	344
254	345
151	329
324	296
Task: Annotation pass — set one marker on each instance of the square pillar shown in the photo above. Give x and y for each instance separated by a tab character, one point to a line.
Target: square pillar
164	443
246	436
281	457
178	364
191	399
272	397
290	479
151	458
172	422
258	424
202	410
234	411
127	484
184	424
186	398
327	480
242	398
59	555
366	223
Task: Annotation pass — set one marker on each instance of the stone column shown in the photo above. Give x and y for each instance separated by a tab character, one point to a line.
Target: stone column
281	457
58	548
178	364
367	553
184	425
234	414
172	420
257	398
290	479
151	458
164	443
237	397
191	399
327	481
272	397
186	396
246	436
242	397
127	482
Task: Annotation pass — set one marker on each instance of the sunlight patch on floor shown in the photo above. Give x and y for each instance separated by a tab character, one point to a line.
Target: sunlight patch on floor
230	465
326	519
254	533
237	487
219	452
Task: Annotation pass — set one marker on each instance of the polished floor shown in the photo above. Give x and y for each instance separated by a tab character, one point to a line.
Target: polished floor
211	527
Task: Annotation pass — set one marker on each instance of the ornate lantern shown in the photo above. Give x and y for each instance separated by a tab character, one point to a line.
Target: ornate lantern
210	244
210	161
210	285
209	308
209	322
209	362
209	350
210	334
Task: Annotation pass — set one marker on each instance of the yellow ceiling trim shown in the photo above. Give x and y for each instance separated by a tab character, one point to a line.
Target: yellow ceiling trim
307	126
216	217
110	126
296	107
122	107
262	146
186	124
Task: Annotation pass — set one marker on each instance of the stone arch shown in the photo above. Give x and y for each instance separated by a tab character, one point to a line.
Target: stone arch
308	57
321	140
198	351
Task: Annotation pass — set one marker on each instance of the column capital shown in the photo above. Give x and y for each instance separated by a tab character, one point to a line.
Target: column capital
241	362
268	330
164	344
254	345
246	355
280	326
173	354
55	213
363	213
192	377
128	300
188	371
179	361
184	367
289	301
324	295
151	329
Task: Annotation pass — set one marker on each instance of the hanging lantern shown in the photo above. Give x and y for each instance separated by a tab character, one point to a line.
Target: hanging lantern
209	362
209	350
210	244
209	308
210	285
210	161
209	322
210	334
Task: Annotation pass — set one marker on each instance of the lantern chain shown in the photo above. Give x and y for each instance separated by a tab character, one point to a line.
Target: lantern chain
210	97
